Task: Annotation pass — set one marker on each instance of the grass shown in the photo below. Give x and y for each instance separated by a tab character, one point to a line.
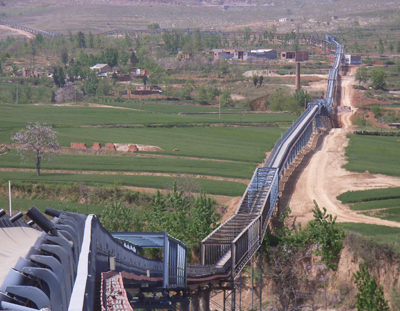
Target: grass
365	152
17	116
369	195
247	144
24	204
136	164
159	182
383	233
375	205
392	214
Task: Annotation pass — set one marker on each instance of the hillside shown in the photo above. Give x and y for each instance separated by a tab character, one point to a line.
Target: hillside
103	15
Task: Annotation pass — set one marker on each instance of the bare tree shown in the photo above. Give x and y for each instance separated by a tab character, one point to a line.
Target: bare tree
36	140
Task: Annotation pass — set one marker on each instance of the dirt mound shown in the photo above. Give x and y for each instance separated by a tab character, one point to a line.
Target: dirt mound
148	148
365	175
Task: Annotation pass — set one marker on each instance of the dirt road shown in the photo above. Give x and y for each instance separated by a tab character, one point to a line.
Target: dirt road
322	179
19	31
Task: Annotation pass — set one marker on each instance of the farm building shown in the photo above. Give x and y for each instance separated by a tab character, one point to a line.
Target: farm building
297	56
101	68
285	19
230	54
352	60
263	54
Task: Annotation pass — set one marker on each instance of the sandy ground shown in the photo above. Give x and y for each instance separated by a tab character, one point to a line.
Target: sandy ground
322	178
19	31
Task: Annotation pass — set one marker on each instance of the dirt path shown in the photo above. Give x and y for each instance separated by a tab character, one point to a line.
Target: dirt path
244	181
19	31
323	178
94	105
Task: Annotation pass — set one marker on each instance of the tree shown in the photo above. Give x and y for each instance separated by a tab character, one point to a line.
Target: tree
58	76
109	56
213	92
296	45
68	92
134	59
391	47
91	40
223	67
226	99
202	95
378	77
370	297
398	47
361	75
204	219
153	26
328	237
123	58
381	48
80	38
103	88
35	142
144	79
260	80
247	31
116	216
377	111
64	56
255	80
14	69
91	83
302	98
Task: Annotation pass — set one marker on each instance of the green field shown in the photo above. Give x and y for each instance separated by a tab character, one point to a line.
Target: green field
238	141
375	205
16	116
376	154
159	182
383	233
369	195
247	144
379	203
24	204
136	164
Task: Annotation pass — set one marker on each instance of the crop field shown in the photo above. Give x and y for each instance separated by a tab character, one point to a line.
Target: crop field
369	195
379	203
209	186
382	233
24	204
137	164
230	147
59	116
365	152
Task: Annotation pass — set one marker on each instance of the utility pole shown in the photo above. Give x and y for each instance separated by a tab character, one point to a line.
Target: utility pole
17	93
219	113
9	195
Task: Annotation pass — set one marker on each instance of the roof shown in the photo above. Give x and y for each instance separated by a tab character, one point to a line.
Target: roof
261	51
99	66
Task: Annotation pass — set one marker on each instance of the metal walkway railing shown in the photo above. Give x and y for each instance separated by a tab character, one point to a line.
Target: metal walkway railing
64	266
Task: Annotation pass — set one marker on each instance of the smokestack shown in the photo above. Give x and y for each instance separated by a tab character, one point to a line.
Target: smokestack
297	76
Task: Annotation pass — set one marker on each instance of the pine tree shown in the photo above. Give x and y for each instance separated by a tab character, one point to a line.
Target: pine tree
370	296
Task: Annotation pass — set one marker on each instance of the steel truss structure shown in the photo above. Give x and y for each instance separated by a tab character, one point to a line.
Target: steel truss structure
62	271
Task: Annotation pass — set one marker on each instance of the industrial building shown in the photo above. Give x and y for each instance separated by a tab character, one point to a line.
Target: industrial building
296	56
352	60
